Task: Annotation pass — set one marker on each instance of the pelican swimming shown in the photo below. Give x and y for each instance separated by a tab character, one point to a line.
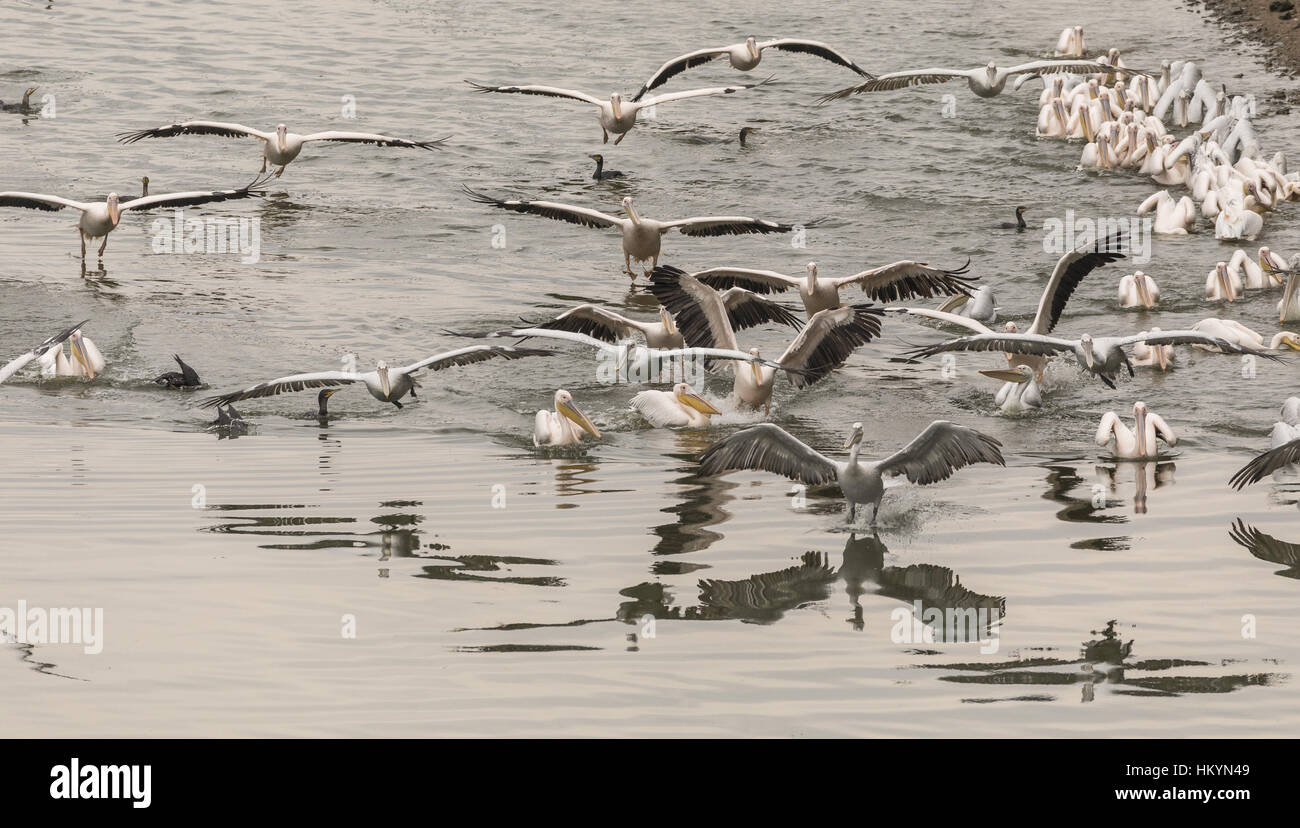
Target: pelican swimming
1152	356
563	426
1173	217
602	174
1019	391
1140	442
616	115
986	81
87	360
1138	289
1249	273
888	283
1101	356
1222	284
99	219
187	377
280	146
745	57
384	383
24	106
938	451
641	236
55	342
679	408
1071	42
823	345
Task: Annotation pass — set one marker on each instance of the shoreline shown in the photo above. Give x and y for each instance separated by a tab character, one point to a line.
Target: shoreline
1273	24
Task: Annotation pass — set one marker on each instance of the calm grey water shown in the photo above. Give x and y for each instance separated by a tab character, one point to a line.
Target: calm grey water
470	620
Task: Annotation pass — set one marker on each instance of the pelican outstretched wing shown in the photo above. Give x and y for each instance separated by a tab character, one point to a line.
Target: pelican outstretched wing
254	189
549	209
283	385
548	91
678	65
940	450
828	339
227	130
1066	276
1009	342
768	447
1265	464
909	280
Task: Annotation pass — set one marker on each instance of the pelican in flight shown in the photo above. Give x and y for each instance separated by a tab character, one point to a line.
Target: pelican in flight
1140	443
16	364
186	377
615	114
745	57
679	408
384	383
609	326
280	146
98	219
641	236
933	455
1070	270
823	345
1275	459
986	81
87	360
1019	392
563	426
1138	290
1101	356
888	283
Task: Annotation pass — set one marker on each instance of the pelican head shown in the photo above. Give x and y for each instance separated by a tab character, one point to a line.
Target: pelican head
1267	264
1140	427
854	438
630	208
758	372
616	104
811	270
1085	344
381	368
77	341
751	45
1018	374
991	70
1225	284
686	395
114	213
1058	106
281	136
1285	341
1288	296
1010	327
564	405
666	319
1140	281
1162	352
1093	92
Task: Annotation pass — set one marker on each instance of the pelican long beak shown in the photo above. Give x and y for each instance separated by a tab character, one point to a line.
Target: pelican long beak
758	372
1088	360
1162	356
571	411
1140	424
1144	295
79	353
697	402
1288	295
1225	284
383	382
853	441
1266	265
1005	376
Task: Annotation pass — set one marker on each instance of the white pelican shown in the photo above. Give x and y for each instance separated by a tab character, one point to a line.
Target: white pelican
384	383
1101	356
745	57
679	408
641	236
823	345
1230	330
1288	308
24	106
1152	356
980	305
280	146
888	283
1248	272
87	360
1288	427
55	342
1138	289
1222	284
616	115
1071	42
938	451
186	377
1140	443
1173	217
99	219
745	309
986	81
602	174
564	425
1234	221
1019	391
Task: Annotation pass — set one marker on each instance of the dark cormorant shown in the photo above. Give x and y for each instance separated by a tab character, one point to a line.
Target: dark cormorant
1020	221
25	106
187	377
601	173
322	412
744	133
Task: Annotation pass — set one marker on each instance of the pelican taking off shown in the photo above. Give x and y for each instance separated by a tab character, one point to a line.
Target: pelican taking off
641	236
679	408
986	81
16	364
616	115
99	219
888	283
563	426
384	383
279	146
746	56
934	455
1140	443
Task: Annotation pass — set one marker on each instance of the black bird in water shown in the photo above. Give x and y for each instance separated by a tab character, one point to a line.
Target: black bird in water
25	106
187	377
601	173
744	133
1019	225
229	421
322	412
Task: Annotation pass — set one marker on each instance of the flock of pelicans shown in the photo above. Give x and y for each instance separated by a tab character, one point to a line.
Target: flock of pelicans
1119	112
